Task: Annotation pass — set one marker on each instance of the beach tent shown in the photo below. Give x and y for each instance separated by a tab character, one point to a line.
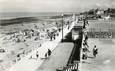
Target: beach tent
54	28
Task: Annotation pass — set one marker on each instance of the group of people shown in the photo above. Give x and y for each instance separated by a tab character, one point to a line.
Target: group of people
52	35
22	35
85	44
86	49
47	54
27	34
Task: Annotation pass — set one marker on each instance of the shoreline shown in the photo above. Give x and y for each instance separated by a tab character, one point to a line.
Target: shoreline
6	22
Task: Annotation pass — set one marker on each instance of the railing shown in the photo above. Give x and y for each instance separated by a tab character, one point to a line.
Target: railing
99	33
70	67
73	61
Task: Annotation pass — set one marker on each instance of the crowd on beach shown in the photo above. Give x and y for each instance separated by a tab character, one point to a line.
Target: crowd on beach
23	36
52	36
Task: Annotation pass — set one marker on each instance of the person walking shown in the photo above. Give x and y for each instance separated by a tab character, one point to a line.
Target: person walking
85	44
84	24
85	49
84	56
95	51
18	57
86	38
46	55
51	36
54	36
37	55
49	52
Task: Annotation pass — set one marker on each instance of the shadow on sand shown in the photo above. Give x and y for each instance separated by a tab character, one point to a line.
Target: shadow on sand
68	38
86	62
91	57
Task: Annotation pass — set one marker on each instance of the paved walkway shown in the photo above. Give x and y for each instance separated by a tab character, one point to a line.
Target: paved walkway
26	64
59	57
105	60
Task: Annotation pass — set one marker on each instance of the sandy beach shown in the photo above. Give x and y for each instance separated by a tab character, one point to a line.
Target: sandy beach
14	50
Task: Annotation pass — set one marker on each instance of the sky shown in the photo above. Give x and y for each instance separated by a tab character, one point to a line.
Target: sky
53	5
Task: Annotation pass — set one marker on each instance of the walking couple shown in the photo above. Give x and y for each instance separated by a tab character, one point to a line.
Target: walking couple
48	53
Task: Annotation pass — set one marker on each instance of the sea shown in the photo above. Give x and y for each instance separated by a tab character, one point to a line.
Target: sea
10	15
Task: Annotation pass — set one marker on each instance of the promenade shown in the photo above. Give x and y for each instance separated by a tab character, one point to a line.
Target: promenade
59	57
27	64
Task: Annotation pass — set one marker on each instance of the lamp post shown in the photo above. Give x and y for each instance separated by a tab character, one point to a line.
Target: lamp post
110	28
62	27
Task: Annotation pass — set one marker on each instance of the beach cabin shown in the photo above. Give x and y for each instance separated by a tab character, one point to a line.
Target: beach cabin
76	31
